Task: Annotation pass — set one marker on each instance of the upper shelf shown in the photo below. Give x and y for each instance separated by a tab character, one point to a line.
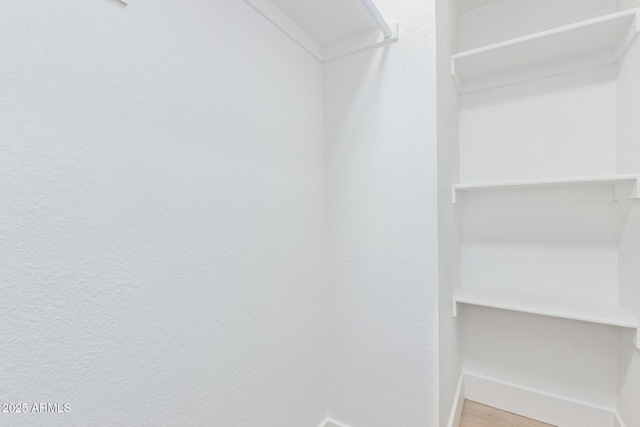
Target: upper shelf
623	186
328	29
328	21
586	44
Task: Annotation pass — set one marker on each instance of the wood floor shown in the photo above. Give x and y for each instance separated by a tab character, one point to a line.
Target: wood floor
475	414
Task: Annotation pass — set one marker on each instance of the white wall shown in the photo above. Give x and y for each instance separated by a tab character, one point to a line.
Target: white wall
448	221
629	272
562	248
380	135
628	108
627	4
549	128
161	225
628	104
564	358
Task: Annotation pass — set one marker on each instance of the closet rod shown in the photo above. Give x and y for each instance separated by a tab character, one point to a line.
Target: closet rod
377	17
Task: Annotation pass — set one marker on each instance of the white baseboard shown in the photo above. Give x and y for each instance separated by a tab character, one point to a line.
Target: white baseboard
535	404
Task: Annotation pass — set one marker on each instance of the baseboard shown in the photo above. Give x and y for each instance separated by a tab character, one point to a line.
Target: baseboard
535	404
531	403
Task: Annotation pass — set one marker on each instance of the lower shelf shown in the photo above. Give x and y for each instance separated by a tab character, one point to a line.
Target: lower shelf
582	309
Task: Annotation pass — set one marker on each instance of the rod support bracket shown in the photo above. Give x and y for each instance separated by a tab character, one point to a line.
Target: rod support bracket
377	18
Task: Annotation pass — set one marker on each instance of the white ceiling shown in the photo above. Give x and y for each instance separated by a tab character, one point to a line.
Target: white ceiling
467	5
328	21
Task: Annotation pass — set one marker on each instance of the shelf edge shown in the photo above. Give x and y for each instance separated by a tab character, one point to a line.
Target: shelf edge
551	32
550	313
629	20
625	186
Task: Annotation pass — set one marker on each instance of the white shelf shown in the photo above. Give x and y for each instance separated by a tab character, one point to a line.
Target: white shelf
586	44
582	309
624	186
328	29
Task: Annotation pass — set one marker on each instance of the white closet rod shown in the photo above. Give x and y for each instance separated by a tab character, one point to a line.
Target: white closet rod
377	17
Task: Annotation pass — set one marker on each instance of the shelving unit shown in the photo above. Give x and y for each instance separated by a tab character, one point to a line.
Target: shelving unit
565	307
549	220
586	44
623	186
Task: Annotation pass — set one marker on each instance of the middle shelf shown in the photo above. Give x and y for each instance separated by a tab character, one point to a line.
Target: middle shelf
565	307
586	44
622	186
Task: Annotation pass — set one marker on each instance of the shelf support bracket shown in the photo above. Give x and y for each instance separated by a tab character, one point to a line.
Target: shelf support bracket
636	338
454	76
455	308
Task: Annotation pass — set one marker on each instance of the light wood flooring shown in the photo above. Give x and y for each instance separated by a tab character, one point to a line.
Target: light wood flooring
475	414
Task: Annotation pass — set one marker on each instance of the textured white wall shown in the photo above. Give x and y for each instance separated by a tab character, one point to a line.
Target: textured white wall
381	183
161	224
448	220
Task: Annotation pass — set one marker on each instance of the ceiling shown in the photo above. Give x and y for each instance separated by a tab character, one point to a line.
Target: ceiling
467	5
328	21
